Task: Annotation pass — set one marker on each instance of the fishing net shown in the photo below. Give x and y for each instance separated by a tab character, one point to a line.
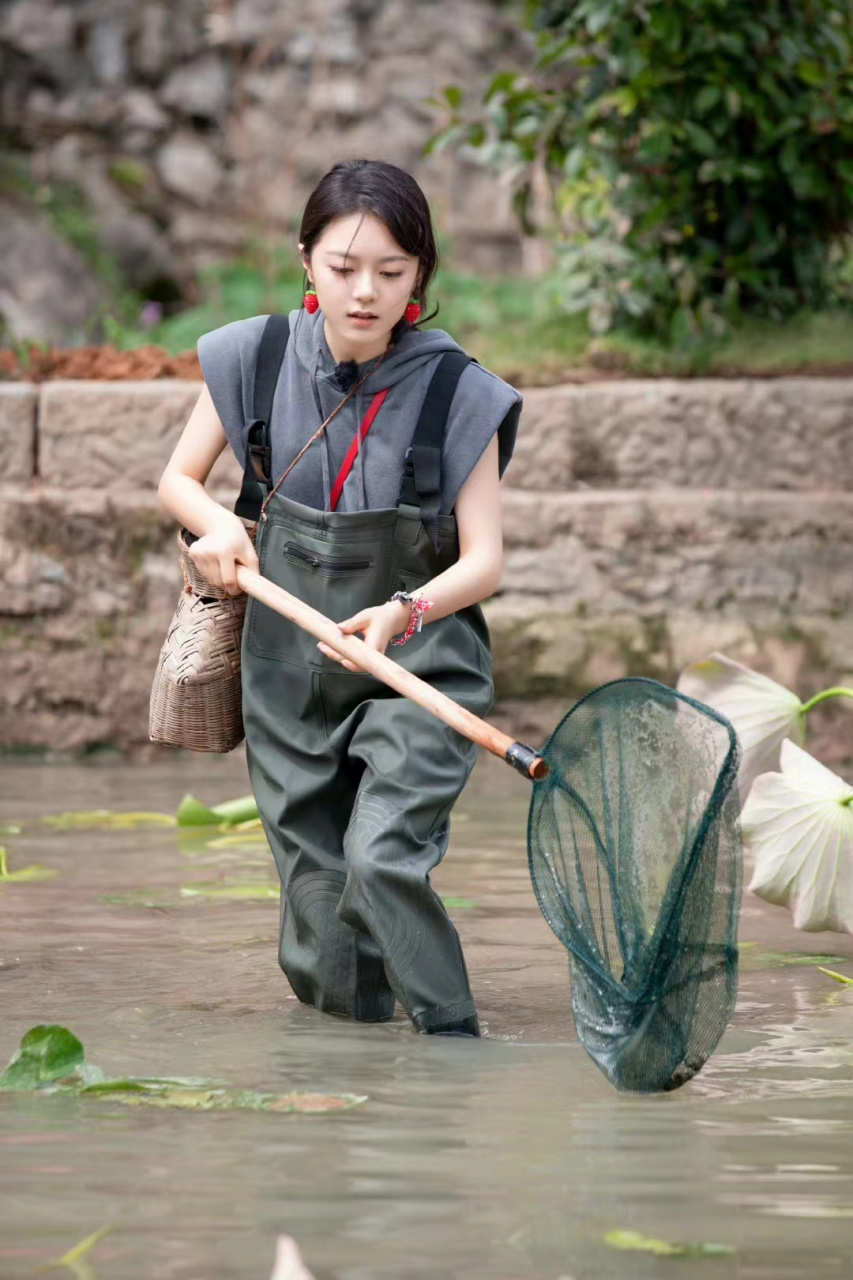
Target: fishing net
634	852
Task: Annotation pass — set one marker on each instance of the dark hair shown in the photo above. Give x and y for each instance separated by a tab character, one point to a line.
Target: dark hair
390	194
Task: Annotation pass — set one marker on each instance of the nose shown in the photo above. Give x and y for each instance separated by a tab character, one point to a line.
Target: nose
365	287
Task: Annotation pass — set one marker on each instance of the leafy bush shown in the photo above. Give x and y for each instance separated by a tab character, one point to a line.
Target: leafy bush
698	154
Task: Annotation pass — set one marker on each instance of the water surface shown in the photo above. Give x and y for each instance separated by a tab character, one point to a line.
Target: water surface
502	1159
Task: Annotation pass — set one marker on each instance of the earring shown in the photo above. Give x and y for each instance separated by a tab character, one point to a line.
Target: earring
413	311
310	302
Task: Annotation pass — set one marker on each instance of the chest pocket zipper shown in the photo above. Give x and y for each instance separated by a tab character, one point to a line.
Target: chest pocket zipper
325	564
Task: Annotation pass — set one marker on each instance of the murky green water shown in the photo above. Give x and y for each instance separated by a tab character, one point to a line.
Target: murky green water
505	1158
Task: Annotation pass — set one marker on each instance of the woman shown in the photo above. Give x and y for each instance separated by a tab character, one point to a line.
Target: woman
396	535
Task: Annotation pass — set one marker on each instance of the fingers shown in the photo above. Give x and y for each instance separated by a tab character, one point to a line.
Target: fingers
228	575
338	657
249	557
357	622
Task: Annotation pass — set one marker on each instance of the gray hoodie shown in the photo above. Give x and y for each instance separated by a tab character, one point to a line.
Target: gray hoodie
307	392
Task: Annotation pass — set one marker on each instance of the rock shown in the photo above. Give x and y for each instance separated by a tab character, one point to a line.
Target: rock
143	111
789	433
47	292
18	404
118	436
107	48
30	583
253	20
39	28
199	88
140	252
154	53
189	169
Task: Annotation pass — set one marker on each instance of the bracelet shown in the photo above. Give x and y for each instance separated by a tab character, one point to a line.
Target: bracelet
419	607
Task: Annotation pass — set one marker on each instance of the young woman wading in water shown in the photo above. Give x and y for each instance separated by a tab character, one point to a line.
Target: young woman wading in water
386	445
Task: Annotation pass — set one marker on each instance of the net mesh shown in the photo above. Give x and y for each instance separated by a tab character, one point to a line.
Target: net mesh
634	852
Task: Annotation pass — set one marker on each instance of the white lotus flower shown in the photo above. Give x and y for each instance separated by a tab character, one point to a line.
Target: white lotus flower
763	712
799	825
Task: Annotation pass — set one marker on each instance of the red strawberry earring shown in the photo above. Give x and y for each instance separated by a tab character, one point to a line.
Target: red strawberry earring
311	302
413	311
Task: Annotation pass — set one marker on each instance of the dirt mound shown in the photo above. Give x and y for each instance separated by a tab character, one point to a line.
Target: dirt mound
99	363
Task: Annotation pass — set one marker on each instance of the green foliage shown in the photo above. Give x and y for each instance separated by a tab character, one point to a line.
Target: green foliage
635	1242
699	155
51	1059
46	1054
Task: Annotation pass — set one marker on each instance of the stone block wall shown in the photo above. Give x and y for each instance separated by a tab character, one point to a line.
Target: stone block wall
646	524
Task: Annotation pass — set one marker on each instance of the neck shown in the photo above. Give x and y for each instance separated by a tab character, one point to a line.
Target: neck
342	350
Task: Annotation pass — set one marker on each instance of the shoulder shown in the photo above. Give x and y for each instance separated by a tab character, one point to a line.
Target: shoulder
477	380
238	338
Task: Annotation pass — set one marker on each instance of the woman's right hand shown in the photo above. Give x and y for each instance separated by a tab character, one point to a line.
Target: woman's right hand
218	553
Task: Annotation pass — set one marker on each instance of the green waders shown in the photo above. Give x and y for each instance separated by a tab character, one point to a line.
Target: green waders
355	783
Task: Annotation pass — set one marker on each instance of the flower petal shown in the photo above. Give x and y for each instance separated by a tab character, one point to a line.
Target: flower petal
763	712
799	826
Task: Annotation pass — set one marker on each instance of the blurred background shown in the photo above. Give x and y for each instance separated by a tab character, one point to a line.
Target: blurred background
644	210
627	187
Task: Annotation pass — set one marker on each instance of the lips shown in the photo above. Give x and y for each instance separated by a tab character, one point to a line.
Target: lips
362	315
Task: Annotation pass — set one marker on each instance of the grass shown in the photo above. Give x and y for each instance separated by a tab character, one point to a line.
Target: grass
809	342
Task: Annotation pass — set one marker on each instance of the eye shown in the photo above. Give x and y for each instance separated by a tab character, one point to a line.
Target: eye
392	275
342	271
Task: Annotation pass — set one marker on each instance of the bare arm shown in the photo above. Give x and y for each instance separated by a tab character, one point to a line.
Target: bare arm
475	575
223	537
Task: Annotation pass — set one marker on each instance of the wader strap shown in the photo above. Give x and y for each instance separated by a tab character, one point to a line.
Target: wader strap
422	474
257	474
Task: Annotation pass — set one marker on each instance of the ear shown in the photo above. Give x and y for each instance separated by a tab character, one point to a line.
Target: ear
306	261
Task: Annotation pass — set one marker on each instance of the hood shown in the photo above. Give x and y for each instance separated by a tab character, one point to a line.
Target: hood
411	350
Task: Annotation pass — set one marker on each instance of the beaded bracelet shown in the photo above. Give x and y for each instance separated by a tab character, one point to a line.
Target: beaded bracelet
419	607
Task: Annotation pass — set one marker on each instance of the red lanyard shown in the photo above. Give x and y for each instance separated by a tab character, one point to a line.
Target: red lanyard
346	468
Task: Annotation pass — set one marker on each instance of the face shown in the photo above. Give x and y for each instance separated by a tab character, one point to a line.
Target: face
362	295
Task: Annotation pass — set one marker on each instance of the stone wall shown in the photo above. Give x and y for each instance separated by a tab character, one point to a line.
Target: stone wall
646	524
195	127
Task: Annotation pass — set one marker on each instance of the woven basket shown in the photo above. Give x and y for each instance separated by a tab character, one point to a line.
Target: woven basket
196	695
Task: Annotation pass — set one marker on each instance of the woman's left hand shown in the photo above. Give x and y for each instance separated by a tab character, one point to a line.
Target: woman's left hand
377	625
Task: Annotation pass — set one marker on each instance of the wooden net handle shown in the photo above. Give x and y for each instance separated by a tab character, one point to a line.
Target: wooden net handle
517	754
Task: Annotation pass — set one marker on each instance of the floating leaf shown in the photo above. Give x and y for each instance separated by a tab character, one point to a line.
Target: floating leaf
838	977
315	1102
763	712
799	826
80	1250
137	898
636	1242
108	818
192	813
754	958
241	840
235	812
34	872
46	1053
457	903
51	1059
148	1085
182	1099
10	829
245	892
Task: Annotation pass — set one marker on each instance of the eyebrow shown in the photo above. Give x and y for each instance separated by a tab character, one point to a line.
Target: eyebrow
393	257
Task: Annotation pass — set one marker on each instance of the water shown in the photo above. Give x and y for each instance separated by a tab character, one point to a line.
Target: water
502	1159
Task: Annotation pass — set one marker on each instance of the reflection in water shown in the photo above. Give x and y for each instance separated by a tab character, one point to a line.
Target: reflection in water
502	1159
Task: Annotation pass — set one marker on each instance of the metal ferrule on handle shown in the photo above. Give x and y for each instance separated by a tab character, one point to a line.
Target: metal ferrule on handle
391	673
